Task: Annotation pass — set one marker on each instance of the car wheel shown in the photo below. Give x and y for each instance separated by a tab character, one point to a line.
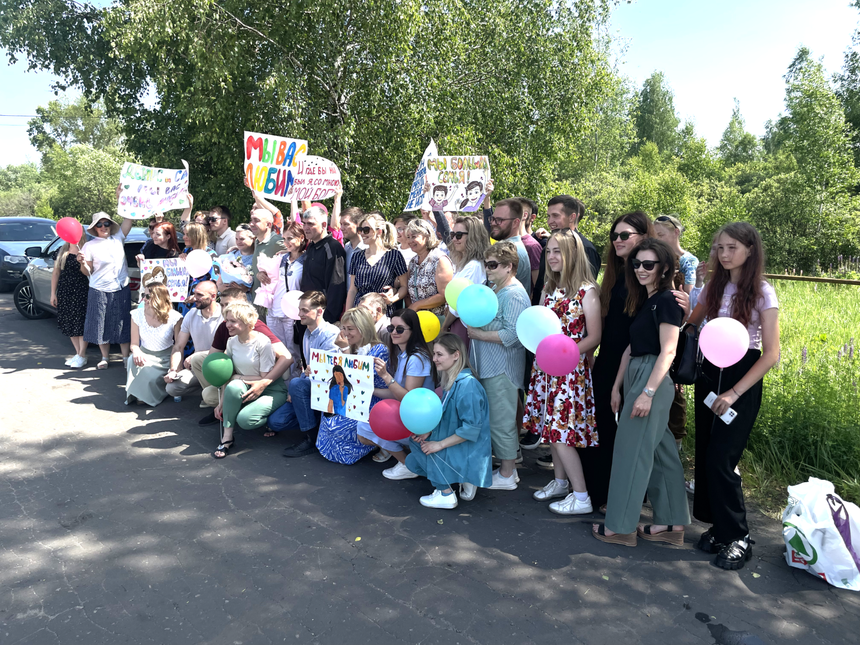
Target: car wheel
25	303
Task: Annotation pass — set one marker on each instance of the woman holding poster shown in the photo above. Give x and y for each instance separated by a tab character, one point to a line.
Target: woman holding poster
430	270
458	450
338	439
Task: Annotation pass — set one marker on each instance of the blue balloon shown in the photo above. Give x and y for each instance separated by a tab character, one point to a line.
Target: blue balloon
477	305
420	410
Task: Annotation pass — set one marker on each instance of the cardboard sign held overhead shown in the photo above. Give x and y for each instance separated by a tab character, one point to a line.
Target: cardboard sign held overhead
145	190
271	163
457	183
416	193
315	179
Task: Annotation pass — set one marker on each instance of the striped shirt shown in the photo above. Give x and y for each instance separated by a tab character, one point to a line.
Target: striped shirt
373	279
491	359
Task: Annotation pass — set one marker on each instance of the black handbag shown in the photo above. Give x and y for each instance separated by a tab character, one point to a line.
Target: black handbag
687	366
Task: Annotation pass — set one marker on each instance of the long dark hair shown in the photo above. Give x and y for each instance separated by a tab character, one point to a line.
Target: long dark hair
615	265
749	290
416	343
333	382
638	293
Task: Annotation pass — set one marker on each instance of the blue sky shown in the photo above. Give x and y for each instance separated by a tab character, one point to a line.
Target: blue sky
710	53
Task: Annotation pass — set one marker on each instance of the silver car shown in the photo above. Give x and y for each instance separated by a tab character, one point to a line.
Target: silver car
33	294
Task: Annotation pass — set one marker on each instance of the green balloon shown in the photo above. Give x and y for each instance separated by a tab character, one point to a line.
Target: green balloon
217	369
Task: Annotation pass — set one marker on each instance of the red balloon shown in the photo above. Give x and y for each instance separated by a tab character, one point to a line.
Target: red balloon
557	355
385	421
70	230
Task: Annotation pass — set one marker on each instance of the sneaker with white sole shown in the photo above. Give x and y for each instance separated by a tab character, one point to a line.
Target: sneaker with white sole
504	483
438	500
77	362
530	441
552	489
572	506
545	462
467	491
399	471
69	359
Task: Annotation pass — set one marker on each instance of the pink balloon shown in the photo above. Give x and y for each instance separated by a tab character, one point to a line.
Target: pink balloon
724	341
557	355
198	263
290	304
70	230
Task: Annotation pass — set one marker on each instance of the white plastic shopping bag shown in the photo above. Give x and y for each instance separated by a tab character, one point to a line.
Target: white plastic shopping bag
822	533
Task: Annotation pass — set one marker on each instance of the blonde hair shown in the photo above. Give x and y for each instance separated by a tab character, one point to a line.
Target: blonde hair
387	234
244	312
198	235
452	343
575	269
669	222
64	250
477	242
363	321
159	300
421	227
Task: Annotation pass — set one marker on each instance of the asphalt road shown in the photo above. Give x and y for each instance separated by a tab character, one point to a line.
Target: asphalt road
118	526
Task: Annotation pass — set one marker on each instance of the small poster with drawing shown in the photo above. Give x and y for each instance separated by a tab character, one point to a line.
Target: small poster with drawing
341	384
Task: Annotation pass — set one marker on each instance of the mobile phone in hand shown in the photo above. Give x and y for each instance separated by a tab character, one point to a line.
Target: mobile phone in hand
729	414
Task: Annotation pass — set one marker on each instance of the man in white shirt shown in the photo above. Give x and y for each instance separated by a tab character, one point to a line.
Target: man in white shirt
219	228
199	325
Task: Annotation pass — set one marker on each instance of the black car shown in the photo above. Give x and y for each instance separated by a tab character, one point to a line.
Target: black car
16	235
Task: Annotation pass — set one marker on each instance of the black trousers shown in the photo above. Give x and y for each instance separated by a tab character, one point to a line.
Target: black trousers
719	499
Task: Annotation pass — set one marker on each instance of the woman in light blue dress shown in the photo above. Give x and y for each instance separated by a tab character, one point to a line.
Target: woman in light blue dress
458	450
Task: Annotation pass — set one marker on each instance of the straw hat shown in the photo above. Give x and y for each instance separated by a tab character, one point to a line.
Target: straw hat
97	217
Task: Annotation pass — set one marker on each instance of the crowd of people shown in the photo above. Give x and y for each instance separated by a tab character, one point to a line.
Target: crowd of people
613	425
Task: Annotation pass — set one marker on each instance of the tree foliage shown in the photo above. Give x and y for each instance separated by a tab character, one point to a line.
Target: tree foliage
656	120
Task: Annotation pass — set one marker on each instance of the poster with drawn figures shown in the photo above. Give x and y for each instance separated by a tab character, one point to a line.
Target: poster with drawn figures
416	193
271	163
145	190
170	272
341	384
315	178
457	183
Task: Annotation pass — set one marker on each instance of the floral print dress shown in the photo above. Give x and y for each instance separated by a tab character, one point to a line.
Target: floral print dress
561	408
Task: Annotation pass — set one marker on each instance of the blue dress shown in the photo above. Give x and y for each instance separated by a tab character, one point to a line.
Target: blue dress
337	440
338	398
465	412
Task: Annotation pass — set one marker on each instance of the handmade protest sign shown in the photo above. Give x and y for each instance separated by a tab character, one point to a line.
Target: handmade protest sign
145	191
416	193
457	183
170	272
271	162
341	384
315	178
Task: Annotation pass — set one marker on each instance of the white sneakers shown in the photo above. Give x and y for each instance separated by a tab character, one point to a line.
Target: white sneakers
438	500
504	483
77	362
571	506
552	489
399	471
467	491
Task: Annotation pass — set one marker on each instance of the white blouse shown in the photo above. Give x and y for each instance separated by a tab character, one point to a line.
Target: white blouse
155	339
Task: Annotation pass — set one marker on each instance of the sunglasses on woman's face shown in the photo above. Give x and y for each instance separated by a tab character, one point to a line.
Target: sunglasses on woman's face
399	329
648	265
491	265
145	296
624	236
458	235
103	225
365	230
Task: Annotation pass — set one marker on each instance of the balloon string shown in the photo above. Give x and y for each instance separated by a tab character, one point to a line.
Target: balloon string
433	459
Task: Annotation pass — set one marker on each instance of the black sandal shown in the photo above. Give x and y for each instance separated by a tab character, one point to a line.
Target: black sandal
224	448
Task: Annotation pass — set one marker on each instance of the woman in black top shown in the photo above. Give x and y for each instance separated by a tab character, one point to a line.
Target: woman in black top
645	457
162	245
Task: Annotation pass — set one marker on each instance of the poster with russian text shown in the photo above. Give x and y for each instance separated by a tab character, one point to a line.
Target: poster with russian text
416	193
315	179
341	383
145	190
170	272
457	183
271	164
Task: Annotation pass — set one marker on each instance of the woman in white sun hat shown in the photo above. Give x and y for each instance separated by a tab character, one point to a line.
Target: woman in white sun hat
102	259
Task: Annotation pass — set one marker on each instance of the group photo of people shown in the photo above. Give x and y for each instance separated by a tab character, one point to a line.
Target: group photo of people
281	289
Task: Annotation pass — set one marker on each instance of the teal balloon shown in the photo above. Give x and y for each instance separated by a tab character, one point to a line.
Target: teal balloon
477	305
420	410
217	369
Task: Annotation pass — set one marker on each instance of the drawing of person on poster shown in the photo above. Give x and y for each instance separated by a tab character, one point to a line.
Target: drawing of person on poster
438	202
474	196
339	390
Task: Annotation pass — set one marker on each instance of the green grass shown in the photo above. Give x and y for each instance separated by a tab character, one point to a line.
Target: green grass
809	424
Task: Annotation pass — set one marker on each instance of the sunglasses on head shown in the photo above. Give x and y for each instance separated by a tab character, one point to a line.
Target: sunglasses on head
648	265
103	225
666	218
492	265
399	329
459	235
365	230
624	236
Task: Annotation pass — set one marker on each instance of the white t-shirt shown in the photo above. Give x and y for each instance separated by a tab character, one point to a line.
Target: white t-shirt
202	329
155	339
254	358
294	278
110	271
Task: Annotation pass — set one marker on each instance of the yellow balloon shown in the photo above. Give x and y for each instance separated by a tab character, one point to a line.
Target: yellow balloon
430	326
452	291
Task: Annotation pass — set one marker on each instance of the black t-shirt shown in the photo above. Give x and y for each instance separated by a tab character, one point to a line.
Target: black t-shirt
644	336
